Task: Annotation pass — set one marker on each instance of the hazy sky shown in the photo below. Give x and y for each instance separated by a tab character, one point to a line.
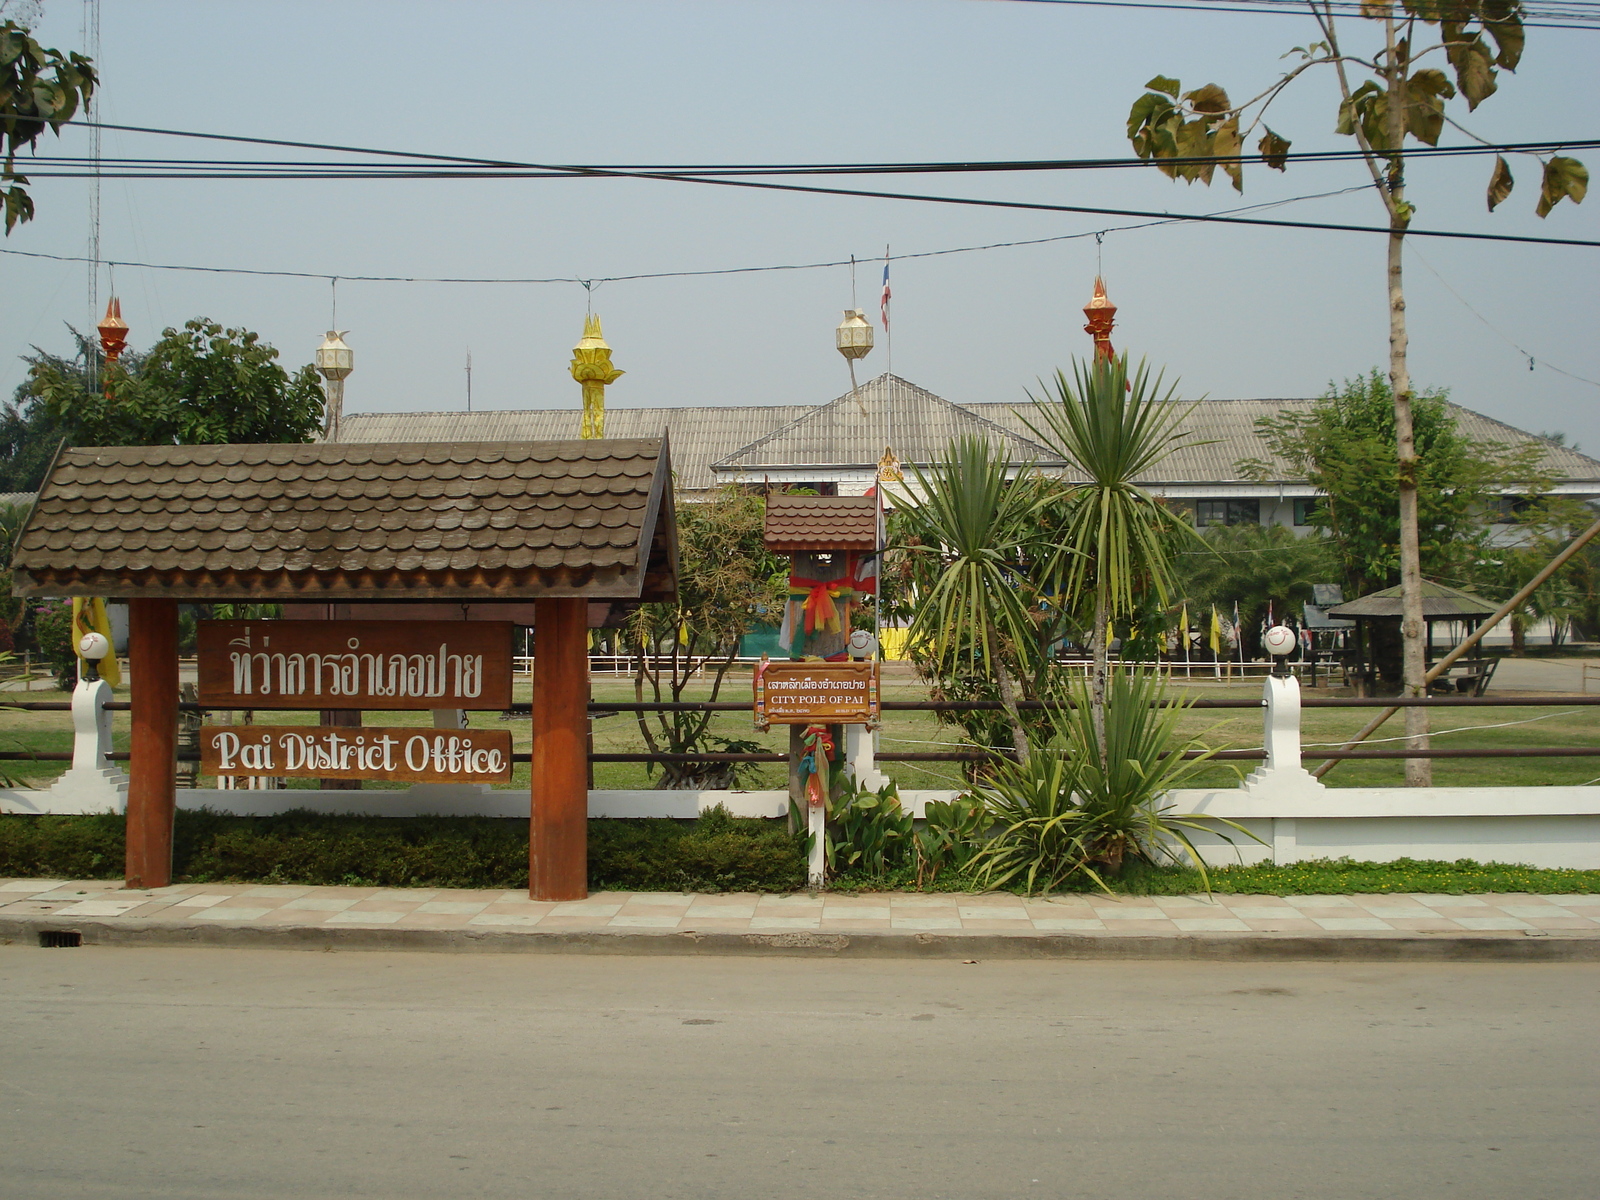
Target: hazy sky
1232	312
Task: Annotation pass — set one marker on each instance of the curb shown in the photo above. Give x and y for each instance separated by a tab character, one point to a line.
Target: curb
1215	947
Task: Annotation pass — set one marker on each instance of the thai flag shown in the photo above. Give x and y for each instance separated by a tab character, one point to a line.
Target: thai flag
883	304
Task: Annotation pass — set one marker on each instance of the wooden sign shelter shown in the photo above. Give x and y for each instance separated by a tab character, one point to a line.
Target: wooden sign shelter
557	524
355	664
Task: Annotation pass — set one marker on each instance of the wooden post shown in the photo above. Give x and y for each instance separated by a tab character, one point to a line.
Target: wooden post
152	777
558	830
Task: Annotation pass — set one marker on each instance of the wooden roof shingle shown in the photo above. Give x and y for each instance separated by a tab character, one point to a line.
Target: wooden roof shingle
355	521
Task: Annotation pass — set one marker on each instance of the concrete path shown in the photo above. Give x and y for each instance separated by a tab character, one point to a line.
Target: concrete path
1503	926
1545	675
138	1074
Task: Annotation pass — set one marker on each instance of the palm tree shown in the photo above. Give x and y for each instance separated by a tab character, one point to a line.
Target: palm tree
973	523
1118	539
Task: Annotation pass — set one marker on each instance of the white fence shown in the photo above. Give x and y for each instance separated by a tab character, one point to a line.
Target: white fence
1294	815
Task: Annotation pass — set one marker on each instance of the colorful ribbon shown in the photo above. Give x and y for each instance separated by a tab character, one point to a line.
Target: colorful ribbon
814	764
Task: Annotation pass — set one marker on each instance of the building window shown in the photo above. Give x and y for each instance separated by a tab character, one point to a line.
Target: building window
1511	509
1302	511
1227	512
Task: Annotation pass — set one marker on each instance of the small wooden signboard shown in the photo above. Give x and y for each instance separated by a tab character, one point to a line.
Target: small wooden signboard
373	665
398	754
816	693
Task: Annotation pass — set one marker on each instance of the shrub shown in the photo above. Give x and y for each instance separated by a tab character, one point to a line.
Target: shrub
716	853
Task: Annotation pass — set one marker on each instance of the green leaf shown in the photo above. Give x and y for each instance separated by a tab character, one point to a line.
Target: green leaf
1149	109
1226	145
1426	92
1162	84
1209	99
1273	150
1474	68
1564	178
1500	183
1503	20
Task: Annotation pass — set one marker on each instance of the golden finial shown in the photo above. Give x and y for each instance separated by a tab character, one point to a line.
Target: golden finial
591	367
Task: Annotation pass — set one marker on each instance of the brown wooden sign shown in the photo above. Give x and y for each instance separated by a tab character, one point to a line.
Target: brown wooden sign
357	752
816	693
355	664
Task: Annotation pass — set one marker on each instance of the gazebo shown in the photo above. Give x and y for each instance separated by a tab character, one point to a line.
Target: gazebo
474	530
1377	616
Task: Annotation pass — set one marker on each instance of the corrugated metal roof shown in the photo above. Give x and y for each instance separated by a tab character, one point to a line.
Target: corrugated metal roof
854	429
1224	433
712	441
700	436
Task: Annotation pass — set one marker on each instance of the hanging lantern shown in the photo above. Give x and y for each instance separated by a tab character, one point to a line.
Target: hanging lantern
113	331
334	359
854	335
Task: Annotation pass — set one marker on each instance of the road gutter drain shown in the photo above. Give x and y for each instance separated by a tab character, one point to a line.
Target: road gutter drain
56	938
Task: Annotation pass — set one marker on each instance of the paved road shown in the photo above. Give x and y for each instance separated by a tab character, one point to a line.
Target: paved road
213	1074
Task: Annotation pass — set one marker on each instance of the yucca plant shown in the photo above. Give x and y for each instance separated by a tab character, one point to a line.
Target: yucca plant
975	603
1067	810
1117	539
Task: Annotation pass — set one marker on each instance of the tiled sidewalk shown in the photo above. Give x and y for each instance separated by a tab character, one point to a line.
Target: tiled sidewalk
1511	916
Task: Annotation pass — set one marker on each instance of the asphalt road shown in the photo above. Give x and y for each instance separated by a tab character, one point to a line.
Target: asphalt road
178	1073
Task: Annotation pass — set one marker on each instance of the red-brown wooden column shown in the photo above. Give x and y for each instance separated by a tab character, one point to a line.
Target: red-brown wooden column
558	832
152	775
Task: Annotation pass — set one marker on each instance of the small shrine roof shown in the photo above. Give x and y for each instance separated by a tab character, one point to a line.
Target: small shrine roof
821	523
355	521
1440	602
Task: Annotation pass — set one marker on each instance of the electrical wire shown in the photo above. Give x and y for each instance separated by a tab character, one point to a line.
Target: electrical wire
1441	732
595	281
1492	328
278	168
969	201
1561	16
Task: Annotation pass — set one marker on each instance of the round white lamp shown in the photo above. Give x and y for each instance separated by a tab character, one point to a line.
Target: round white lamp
1280	641
93	647
862	644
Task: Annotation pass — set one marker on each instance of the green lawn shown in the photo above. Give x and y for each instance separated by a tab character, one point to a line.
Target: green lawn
903	731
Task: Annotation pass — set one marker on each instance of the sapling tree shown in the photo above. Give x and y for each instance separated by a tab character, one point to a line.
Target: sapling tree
1428	52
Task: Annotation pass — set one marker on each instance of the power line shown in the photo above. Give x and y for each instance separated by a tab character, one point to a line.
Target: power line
717	169
964	201
840	262
1493	328
1562	16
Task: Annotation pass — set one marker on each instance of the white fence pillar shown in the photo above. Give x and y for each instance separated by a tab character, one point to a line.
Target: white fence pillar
1282	774
92	784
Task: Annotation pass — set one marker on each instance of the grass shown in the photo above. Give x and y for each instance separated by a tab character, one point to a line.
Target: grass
910	731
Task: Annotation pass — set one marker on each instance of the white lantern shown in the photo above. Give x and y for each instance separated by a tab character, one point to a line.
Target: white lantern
334	359
854	335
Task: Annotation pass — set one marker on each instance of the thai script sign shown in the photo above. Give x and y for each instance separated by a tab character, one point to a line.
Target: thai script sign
357	752
816	693
355	664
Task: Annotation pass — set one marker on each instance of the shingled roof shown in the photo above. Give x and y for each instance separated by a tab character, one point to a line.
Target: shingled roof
821	523
354	521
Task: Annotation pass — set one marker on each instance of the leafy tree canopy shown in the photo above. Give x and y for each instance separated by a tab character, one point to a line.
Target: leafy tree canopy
1345	447
201	384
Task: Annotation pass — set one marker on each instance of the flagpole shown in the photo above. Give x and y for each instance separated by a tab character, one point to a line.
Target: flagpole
888	332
